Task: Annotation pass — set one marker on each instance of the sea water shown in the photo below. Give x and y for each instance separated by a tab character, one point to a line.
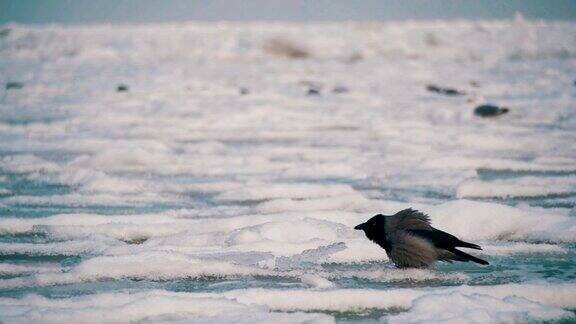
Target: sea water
220	188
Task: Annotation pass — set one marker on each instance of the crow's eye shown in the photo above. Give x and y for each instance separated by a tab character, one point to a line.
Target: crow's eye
373	224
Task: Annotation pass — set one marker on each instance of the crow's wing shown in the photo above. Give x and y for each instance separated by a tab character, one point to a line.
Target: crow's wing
442	240
410	251
407	219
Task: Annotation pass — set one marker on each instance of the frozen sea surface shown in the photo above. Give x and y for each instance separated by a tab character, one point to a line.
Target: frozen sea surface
220	188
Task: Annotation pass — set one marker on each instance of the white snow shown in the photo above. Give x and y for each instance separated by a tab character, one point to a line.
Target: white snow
511	302
152	306
555	295
184	178
478	308
525	187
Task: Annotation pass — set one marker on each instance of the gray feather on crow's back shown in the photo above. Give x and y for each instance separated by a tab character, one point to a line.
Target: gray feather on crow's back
411	251
407	219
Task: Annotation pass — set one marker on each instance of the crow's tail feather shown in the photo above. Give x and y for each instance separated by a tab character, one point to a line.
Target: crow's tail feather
468	257
468	245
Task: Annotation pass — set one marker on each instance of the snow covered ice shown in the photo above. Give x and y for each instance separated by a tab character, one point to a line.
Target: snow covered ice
215	189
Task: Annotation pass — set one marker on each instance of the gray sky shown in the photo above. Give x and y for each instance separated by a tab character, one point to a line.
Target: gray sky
138	11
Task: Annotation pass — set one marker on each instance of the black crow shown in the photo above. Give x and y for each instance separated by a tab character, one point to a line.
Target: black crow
411	242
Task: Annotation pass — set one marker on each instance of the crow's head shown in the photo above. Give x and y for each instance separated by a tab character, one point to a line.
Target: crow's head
374	228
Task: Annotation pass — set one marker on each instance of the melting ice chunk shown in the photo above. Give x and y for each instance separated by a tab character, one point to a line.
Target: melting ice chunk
309	258
314	281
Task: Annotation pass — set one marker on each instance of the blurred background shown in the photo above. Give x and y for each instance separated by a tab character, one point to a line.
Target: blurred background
135	11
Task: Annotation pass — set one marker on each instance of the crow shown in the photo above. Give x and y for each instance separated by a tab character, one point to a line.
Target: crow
411	242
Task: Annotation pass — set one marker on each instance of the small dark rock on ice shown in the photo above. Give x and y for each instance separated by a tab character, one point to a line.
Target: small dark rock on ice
122	88
313	92
4	32
340	89
445	91
12	85
489	111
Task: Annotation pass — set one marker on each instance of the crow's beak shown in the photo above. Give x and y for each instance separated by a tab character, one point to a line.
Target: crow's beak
360	226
